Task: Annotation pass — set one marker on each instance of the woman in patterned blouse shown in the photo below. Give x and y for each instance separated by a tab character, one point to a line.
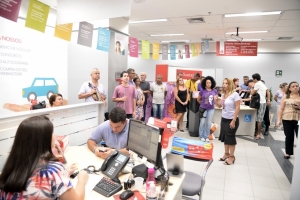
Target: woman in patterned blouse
32	171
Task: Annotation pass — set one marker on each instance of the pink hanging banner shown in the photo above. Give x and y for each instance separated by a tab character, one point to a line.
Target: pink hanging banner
10	9
187	51
133	47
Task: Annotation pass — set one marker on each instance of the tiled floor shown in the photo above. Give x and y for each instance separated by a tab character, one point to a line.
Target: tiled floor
256	174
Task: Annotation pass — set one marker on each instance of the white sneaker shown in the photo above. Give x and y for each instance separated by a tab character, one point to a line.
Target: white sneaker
202	139
207	140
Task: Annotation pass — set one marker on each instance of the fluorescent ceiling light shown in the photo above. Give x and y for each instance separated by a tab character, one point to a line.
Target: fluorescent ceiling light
176	41
166	34
248	32
246	40
253	14
147	21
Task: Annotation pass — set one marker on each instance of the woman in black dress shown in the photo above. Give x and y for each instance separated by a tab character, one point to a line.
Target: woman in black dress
181	94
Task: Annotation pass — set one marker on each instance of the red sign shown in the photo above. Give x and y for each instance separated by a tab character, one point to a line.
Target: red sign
236	49
188	74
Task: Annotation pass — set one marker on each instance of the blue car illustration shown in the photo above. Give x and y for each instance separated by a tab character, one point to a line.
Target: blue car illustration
40	87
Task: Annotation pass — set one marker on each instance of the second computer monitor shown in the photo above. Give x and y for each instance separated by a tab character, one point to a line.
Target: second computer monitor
145	141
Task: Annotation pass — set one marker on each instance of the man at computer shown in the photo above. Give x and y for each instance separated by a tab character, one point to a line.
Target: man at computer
113	131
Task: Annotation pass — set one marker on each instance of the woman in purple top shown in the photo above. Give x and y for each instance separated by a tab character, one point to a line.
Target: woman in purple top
230	121
206	100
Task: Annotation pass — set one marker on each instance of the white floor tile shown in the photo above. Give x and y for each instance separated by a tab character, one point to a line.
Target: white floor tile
214	183
212	194
278	173
261	171
284	184
238	188
267	193
274	164
236	167
286	194
238	176
233	196
216	172
260	156
258	163
264	181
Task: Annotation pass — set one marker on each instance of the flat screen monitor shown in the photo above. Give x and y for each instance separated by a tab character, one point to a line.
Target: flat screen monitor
144	140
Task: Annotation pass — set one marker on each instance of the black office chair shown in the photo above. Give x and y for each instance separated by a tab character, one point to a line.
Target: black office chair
193	183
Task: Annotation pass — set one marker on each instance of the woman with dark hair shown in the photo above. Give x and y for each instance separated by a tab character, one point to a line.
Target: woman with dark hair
206	99
289	113
181	94
140	99
56	100
236	82
230	121
118	47
32	171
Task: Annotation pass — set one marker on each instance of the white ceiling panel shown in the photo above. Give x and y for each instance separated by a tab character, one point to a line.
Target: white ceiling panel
294	14
152	24
251	19
288	28
284	34
160	29
250	24
294	22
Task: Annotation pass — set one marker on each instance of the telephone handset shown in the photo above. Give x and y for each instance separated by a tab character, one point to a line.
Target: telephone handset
114	163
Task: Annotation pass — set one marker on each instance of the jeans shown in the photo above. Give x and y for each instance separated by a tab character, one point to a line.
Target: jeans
158	108
205	123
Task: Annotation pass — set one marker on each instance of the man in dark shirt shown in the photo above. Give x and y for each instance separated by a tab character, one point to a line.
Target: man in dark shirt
145	86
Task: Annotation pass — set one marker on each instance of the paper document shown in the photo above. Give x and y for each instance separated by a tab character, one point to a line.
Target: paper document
92	182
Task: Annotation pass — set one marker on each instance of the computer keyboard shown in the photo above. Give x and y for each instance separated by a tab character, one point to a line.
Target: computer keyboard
107	187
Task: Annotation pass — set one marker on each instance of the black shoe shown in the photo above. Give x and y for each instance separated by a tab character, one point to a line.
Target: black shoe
266	133
287	157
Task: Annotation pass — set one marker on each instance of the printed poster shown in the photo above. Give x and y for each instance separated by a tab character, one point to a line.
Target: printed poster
193	49
10	9
187	51
145	49
155	51
120	42
63	31
103	39
236	48
206	46
202	48
198	49
133	47
85	34
164	51
180	51
37	15
173	52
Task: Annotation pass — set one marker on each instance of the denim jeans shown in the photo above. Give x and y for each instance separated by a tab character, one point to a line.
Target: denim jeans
205	123
158	108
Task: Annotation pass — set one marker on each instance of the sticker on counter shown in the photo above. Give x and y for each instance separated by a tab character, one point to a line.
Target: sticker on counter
247	118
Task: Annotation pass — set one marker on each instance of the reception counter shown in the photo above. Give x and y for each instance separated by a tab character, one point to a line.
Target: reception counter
247	117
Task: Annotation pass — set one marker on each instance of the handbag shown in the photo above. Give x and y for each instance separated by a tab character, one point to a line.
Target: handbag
201	112
40	105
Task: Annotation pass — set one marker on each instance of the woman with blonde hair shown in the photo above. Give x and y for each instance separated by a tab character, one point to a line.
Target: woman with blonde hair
279	95
181	94
289	113
230	104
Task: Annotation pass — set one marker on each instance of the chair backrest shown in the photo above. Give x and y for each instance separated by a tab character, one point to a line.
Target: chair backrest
203	178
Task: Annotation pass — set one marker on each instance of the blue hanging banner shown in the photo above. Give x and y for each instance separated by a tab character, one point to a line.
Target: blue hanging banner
173	52
103	39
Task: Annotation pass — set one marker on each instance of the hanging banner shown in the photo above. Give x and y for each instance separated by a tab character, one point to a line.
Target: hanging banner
85	34
198	49
145	49
120	42
103	39
180	52
173	52
193	49
206	46
10	9
202	48
237	49
155	50
187	51
164	51
63	31
37	15
133	47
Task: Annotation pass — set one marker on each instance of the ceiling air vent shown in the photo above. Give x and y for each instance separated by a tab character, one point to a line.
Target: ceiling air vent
196	20
204	39
284	38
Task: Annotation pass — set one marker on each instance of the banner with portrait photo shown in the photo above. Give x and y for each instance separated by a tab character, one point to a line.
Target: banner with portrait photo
120	42
180	52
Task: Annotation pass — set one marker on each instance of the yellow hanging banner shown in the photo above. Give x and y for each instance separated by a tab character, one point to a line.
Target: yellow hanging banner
63	31
155	50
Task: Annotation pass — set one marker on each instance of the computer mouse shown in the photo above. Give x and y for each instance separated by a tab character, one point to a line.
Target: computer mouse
126	194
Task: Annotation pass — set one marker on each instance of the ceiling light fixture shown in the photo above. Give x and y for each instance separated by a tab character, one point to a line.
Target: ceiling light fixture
236	37
157	35
245	40
253	14
169	41
148	21
248	32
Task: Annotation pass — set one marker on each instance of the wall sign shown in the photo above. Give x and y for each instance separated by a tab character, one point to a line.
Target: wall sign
247	118
237	49
278	73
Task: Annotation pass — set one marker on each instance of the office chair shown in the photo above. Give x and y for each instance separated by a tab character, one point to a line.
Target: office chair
193	183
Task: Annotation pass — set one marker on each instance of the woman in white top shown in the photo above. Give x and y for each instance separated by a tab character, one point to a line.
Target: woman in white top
230	122
279	95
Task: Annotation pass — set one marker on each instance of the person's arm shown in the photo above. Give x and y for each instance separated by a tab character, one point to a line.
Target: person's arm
268	98
115	94
275	97
86	95
280	111
176	95
253	92
134	107
187	97
143	99
236	113
199	99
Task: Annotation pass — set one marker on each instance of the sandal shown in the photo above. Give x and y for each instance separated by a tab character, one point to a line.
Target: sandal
226	156
227	163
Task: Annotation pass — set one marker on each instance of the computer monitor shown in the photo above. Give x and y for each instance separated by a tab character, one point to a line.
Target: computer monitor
144	140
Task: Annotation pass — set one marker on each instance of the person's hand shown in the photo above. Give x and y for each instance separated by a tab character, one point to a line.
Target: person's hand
83	177
297	107
278	123
232	124
71	168
133	114
268	103
123	98
93	91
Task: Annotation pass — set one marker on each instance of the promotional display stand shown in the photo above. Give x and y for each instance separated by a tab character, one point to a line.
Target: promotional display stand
194	117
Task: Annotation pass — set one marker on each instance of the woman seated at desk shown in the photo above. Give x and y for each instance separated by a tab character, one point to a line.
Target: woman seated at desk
32	171
56	100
